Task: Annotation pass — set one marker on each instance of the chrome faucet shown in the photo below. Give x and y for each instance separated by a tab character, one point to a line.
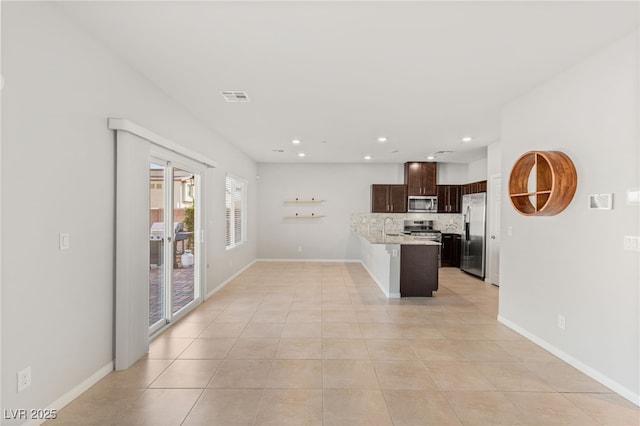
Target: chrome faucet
384	225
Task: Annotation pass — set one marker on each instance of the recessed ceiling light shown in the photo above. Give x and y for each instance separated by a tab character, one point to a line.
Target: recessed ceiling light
431	157
382	139
301	154
466	139
367	157
295	141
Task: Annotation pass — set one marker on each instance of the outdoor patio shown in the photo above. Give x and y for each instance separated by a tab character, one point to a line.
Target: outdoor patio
182	291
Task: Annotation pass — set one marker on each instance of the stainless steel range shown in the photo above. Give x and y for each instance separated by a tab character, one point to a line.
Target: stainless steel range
424	229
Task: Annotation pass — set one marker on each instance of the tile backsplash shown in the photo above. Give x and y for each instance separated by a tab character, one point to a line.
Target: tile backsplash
370	224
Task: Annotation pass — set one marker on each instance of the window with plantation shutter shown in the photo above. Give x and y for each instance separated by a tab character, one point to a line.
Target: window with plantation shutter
235	212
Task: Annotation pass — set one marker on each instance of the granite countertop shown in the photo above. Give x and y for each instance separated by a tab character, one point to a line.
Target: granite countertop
399	239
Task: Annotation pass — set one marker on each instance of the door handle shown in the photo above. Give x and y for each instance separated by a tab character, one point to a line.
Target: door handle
493	237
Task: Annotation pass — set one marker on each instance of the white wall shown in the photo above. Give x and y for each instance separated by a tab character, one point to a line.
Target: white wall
477	170
494	159
574	263
462	173
452	173
346	189
58	176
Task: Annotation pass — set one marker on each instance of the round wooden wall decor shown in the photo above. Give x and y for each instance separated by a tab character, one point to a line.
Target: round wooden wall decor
555	183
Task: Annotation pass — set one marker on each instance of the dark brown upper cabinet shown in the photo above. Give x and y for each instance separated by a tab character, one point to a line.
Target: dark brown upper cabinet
449	199
420	178
474	187
388	198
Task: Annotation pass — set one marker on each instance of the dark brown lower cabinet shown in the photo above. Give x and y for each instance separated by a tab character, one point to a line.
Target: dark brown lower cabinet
450	255
418	270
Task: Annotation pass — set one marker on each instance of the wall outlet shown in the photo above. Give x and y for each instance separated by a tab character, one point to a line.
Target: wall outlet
510	231
24	379
561	322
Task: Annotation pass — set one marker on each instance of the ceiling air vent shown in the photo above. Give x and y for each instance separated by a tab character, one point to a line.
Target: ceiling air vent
235	96
443	152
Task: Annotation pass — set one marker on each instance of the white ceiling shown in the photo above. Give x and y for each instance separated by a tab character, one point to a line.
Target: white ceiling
338	75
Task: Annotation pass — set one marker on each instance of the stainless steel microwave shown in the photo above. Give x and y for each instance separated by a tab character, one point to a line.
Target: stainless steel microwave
422	204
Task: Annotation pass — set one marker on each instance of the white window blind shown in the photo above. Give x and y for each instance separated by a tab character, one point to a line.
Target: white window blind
235	212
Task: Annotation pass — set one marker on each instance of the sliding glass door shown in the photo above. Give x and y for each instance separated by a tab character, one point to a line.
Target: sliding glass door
157	203
174	243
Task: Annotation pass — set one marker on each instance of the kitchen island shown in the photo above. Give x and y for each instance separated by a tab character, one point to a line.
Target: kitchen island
401	265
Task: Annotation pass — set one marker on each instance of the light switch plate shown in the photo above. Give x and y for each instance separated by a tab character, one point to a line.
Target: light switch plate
562	322
601	201
64	241
631	243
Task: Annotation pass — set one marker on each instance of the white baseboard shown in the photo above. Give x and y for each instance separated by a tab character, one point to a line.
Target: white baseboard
312	260
589	371
59	403
228	280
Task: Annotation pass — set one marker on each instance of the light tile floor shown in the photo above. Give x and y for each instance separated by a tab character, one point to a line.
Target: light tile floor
319	344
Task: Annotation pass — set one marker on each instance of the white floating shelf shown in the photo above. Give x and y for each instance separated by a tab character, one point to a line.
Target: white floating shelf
313	200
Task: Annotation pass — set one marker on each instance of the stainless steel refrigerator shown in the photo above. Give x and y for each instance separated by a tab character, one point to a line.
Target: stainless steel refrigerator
473	237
